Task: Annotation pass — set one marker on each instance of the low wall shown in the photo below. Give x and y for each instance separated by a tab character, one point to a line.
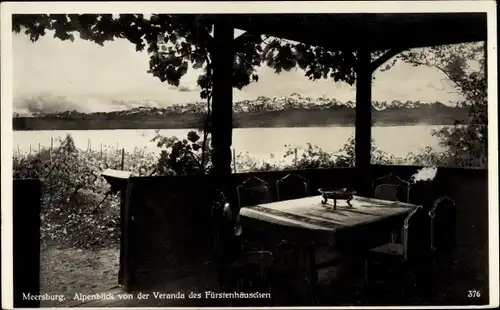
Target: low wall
169	233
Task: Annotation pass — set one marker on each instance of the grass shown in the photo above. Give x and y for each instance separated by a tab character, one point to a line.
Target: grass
70	271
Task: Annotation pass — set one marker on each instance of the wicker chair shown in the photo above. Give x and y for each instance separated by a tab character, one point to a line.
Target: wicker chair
292	186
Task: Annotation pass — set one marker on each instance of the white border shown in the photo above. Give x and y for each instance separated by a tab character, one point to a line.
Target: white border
9	8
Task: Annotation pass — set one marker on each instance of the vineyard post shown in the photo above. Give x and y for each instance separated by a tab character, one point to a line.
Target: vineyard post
30	150
18	151
39	148
51	146
101	150
123	159
295	160
234	160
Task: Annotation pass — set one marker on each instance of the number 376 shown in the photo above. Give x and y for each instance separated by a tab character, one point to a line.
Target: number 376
474	294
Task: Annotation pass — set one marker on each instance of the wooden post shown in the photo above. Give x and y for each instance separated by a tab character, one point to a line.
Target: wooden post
39	149
123	160
30	150
222	108
123	272
363	122
101	150
295	160
18	151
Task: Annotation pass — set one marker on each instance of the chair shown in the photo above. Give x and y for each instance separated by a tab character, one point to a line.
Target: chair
414	250
443	231
292	186
238	270
424	193
443	227
253	191
391	187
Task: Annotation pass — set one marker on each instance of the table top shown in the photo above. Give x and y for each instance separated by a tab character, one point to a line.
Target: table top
311	214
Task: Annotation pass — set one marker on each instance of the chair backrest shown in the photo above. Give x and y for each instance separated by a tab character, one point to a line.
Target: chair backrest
423	193
252	192
416	234
391	187
226	228
443	225
292	186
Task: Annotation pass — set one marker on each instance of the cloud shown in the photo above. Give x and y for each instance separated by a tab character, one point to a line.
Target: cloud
185	89
181	89
102	74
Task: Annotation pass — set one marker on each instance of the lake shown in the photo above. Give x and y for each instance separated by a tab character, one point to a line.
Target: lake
258	142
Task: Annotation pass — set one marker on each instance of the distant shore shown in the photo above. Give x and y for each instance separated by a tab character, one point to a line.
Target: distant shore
293	118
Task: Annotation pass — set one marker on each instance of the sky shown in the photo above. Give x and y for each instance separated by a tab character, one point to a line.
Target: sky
91	76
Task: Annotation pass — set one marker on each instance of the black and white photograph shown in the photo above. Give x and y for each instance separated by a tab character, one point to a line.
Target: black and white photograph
249	154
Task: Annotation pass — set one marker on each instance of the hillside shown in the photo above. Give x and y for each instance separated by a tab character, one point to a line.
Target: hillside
289	111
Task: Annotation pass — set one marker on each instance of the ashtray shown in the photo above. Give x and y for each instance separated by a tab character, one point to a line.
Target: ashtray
336	194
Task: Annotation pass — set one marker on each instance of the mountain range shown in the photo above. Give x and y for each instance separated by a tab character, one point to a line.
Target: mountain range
52	113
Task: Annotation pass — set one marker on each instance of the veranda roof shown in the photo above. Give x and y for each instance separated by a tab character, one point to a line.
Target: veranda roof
373	30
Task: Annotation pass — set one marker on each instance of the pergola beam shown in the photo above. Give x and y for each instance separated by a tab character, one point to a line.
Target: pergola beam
384	58
350	31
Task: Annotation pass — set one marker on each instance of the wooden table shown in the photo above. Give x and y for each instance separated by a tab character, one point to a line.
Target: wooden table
312	223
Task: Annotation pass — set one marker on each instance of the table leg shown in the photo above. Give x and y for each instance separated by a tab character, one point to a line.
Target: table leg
394	236
312	275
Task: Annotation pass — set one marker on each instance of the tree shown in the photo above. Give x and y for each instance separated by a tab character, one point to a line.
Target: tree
176	42
465	66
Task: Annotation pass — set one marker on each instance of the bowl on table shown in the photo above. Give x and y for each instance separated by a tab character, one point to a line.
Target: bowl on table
336	194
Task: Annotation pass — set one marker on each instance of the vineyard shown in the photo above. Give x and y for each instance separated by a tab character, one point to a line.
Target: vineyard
72	191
